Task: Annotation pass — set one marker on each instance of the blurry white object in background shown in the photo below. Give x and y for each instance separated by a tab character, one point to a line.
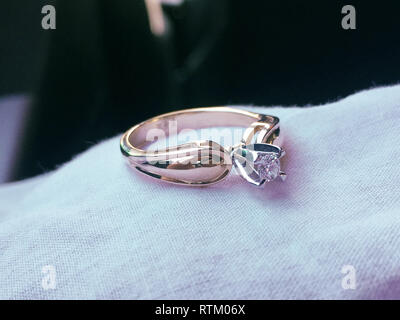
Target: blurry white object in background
156	16
13	111
172	2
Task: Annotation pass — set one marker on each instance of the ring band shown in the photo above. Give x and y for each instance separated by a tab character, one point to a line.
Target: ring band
204	162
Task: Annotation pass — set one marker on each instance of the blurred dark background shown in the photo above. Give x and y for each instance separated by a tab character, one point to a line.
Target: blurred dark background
104	68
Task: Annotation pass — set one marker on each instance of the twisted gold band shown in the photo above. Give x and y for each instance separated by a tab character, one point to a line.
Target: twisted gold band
199	162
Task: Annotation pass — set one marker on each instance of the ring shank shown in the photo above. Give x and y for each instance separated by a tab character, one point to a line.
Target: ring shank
170	164
196	119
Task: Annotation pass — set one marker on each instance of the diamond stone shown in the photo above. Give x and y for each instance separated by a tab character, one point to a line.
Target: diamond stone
258	163
268	166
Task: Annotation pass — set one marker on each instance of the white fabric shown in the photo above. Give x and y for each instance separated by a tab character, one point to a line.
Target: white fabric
110	232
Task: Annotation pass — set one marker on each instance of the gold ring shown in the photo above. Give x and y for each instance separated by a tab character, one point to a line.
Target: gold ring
202	162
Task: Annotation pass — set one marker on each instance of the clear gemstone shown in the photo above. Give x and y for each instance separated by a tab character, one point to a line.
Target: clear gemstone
268	166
